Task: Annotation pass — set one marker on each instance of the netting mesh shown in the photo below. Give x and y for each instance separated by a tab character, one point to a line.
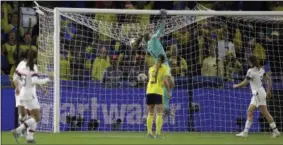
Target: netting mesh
101	90
46	66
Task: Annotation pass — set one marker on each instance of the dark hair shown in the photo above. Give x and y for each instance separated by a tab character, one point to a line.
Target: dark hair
254	61
146	37
161	57
23	55
31	56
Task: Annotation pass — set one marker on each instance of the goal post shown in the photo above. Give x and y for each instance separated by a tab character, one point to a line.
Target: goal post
80	38
56	105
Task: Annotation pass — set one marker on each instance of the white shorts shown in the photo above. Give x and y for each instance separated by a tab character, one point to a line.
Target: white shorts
18	102
30	104
259	97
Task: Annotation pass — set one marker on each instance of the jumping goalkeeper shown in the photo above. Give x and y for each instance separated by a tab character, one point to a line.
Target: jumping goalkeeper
155	49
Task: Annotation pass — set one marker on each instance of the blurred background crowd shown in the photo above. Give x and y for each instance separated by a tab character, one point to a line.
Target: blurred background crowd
216	47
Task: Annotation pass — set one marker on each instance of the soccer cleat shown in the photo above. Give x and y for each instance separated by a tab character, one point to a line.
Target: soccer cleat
15	135
31	142
275	134
242	134
150	136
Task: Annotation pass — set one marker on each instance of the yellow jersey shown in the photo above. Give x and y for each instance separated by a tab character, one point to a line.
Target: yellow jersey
11	51
155	82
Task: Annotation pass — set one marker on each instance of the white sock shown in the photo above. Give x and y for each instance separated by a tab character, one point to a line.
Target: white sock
31	131
26	124
20	128
22	118
273	127
247	126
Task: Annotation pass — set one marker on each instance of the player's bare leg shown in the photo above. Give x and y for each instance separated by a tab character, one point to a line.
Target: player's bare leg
149	120
159	119
22	118
269	118
29	124
249	121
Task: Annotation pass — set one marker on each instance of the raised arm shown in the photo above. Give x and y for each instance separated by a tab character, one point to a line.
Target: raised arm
160	31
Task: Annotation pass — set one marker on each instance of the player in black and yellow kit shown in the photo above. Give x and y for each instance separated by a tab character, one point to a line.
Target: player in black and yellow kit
158	78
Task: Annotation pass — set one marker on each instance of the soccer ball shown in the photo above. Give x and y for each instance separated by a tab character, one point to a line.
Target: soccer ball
142	77
132	42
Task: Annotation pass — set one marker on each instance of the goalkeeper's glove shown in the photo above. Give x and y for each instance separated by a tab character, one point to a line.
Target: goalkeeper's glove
163	13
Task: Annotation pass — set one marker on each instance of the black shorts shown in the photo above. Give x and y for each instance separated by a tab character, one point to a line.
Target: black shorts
154	99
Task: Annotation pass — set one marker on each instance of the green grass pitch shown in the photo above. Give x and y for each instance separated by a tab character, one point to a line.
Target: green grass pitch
140	138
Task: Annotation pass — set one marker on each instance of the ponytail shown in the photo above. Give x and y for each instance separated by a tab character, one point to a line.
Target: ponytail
158	65
31	56
254	61
161	59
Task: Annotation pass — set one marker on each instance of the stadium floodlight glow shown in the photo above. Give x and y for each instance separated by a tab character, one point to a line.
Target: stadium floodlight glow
70	38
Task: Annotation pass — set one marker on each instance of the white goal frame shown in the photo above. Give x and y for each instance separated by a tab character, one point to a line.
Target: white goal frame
57	21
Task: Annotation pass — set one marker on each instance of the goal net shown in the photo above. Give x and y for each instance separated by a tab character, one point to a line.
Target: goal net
101	86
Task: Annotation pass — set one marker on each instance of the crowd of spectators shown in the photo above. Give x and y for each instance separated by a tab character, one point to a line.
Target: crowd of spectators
217	46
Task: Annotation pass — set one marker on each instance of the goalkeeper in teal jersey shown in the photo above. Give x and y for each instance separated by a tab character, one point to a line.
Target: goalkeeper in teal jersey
155	49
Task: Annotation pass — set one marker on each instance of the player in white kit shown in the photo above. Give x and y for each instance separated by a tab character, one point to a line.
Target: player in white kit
255	76
28	74
22	112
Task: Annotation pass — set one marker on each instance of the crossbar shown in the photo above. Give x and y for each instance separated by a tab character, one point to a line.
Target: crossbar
172	12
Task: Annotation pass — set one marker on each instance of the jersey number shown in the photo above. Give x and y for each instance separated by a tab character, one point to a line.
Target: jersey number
24	80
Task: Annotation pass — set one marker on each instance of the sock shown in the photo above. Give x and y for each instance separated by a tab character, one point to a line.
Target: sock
273	127
31	131
25	125
247	126
159	123
149	122
22	119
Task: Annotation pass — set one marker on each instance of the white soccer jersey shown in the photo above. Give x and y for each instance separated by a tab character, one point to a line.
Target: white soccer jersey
16	77
255	76
29	79
28	90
